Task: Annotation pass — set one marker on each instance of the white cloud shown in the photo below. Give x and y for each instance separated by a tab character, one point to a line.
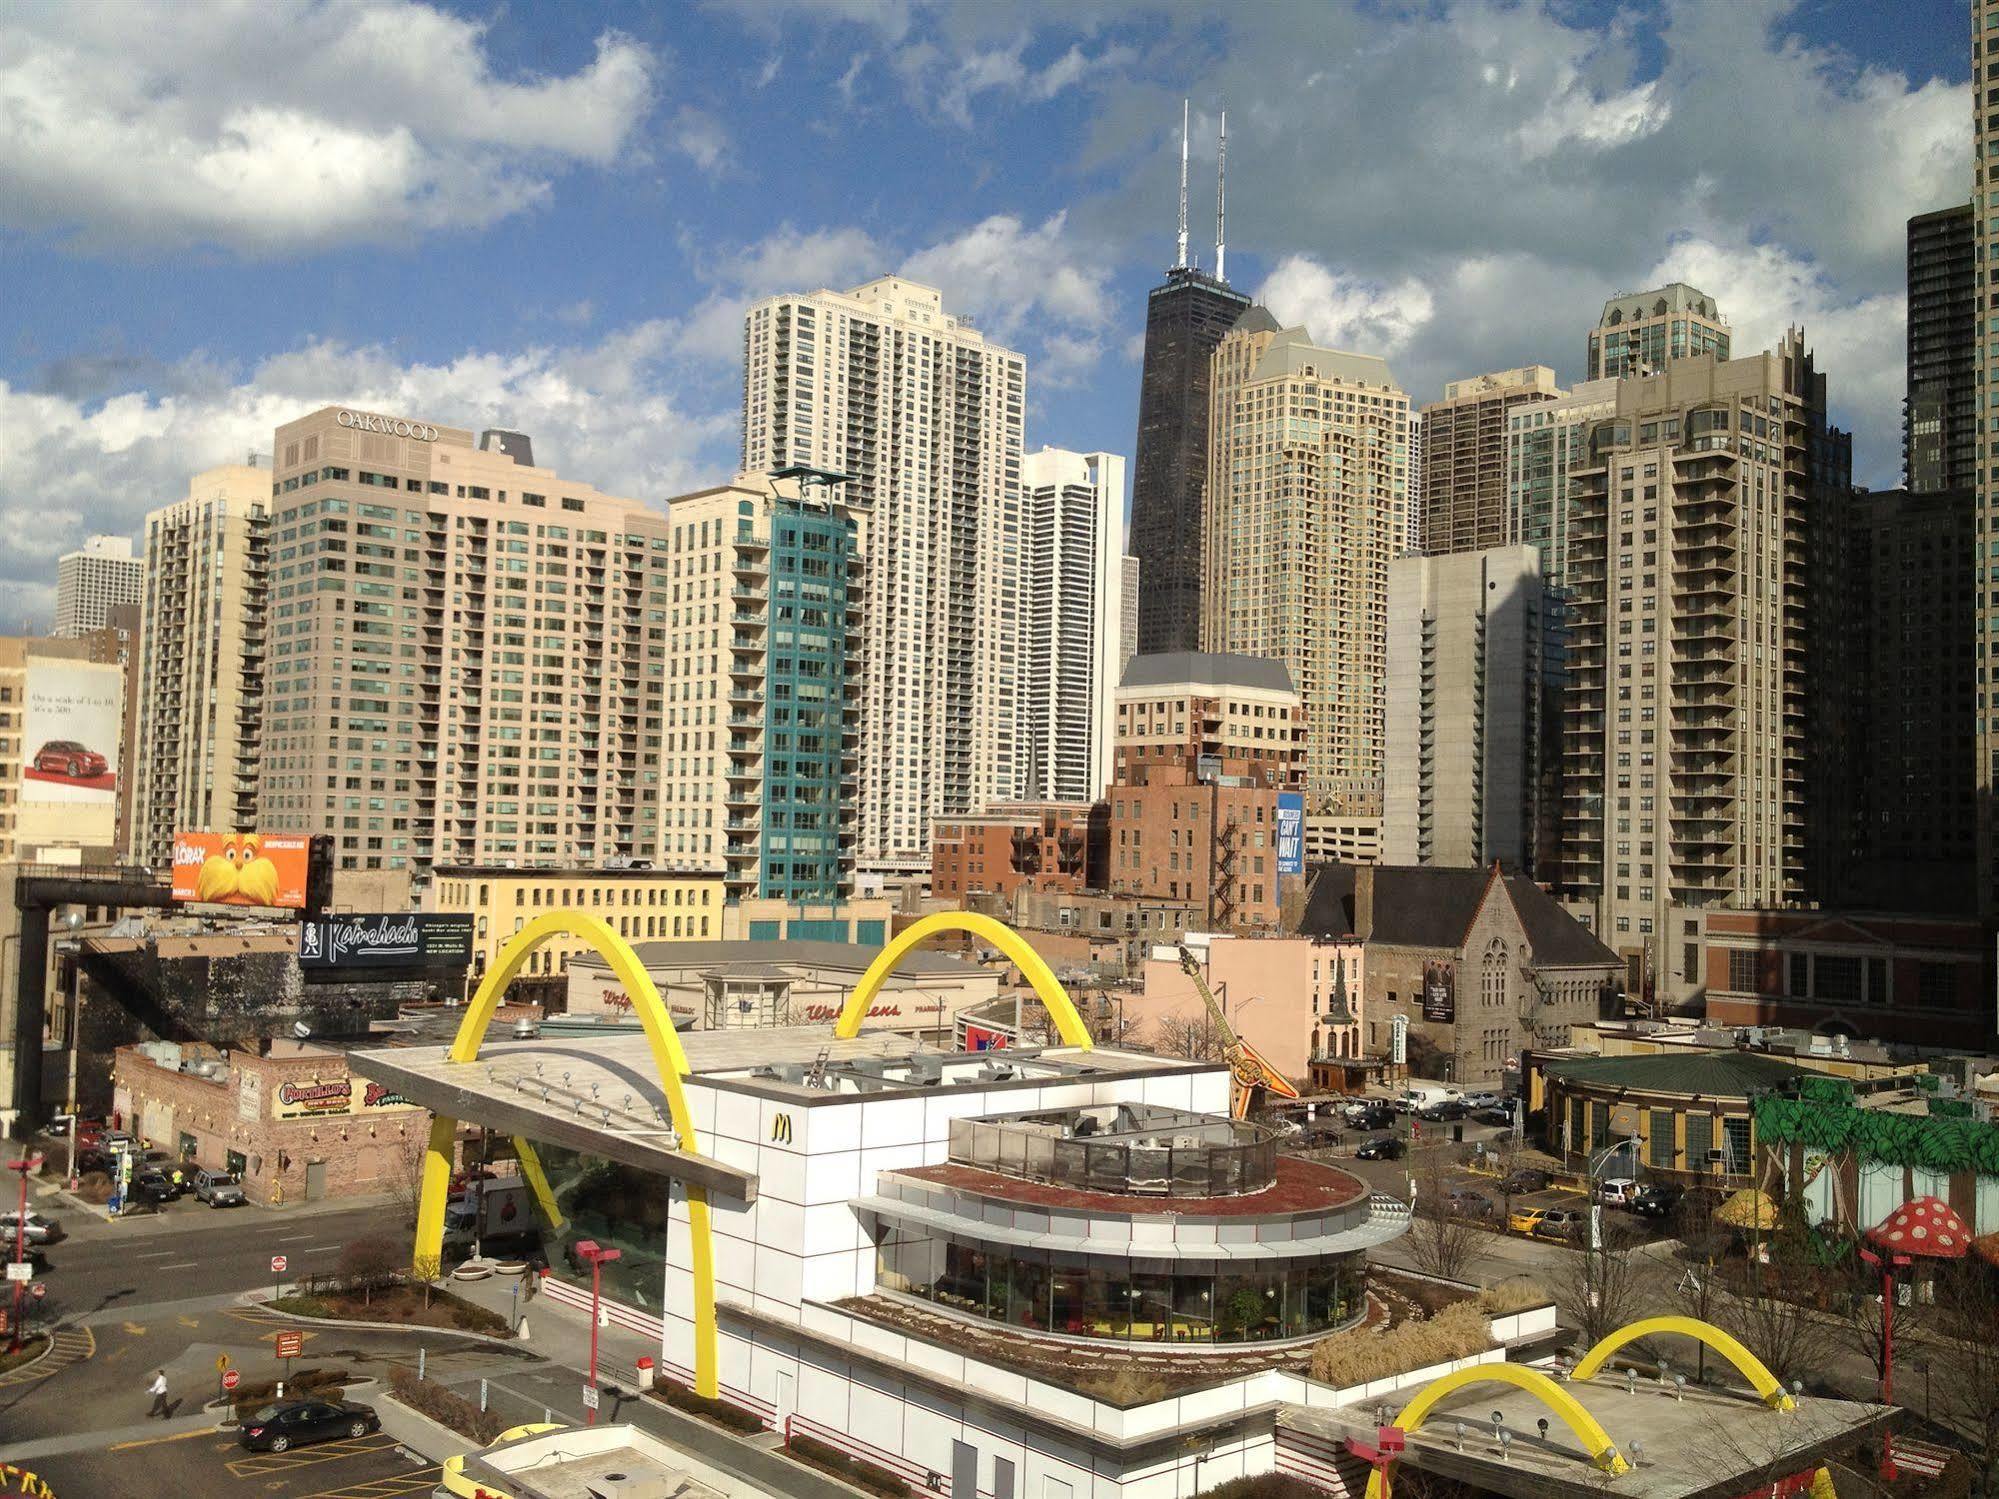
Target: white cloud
788	260
1346	312
1575	114
1014	279
1003	69
290	126
600	412
700	136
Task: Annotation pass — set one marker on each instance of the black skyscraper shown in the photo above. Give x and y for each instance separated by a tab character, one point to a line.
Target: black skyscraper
1184	320
1940	438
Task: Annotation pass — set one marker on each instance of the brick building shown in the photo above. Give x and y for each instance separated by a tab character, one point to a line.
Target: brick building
1036	845
285	1116
1205	745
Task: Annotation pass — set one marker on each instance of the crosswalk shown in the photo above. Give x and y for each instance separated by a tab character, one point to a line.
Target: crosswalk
69	1345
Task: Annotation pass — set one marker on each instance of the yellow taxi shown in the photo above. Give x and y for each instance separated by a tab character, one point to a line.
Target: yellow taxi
1525	1220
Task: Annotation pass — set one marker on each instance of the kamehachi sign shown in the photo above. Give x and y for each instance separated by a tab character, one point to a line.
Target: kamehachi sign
347	1095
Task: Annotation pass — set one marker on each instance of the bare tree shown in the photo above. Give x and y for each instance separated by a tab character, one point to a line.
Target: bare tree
1964	1350
1772	1312
405	1171
1440	1240
370	1262
1190	1036
1599	1290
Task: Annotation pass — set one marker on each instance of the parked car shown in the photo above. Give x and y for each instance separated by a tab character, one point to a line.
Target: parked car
1524	1179
219	1189
1501	1117
40	1230
294	1423
152	1185
1525	1220
65	757
1385	1148
1616	1191
1443	1113
1656	1200
1483	1101
1559	1223
1378	1117
1469	1204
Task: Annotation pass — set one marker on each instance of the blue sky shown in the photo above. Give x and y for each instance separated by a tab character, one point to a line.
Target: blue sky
550	216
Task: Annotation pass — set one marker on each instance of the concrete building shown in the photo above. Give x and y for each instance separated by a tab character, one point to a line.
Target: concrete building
1072	631
1108	933
1307	494
1015	845
201	673
1297	1000
1128	586
1206	745
1639	332
1461	483
92	581
509	700
1985	584
714	986
759	773
1185	318
1940	421
1465	633
61	733
924	417
1545	444
1685	754
1478	965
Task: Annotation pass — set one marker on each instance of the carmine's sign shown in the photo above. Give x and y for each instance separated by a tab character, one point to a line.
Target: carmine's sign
348	1095
404	940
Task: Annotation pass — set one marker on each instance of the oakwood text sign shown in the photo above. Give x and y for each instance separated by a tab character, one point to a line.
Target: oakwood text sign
388	426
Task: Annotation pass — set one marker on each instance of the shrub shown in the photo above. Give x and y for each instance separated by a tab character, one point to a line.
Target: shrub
370	1262
324	1384
445	1406
1361	1354
1263	1486
1514	1294
681	1398
857	1471
1124	1387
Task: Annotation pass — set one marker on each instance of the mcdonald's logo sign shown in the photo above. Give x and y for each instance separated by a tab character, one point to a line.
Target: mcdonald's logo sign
780	1129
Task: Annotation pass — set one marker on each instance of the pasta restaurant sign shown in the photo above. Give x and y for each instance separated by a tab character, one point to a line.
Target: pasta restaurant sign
342	1096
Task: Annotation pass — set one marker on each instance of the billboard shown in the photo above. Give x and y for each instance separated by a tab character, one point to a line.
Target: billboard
1440	992
346	1095
1290	832
69	737
242	869
401	940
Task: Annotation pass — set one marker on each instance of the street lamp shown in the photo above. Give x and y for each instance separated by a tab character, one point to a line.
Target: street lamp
23	1166
596	1258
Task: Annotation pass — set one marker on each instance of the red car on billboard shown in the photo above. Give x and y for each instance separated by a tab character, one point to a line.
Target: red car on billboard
65	757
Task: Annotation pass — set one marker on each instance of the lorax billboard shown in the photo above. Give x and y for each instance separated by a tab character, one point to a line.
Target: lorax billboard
242	869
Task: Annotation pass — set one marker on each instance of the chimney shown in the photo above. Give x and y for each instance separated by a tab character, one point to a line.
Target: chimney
1363	901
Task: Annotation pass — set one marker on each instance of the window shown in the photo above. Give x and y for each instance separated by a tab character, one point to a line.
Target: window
1742	972
1836	979
1659	1143
1933	985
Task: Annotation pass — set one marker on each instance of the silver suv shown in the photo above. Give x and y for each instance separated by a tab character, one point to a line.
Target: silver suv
218	1189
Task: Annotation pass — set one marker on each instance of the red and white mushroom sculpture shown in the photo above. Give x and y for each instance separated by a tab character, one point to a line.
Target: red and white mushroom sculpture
1925	1227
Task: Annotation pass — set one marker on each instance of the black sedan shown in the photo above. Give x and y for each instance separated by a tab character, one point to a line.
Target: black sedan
1387	1148
1655	1200
294	1423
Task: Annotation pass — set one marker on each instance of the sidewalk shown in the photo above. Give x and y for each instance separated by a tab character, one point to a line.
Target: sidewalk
561	1334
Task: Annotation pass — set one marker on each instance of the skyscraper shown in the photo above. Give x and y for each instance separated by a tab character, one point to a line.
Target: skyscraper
1464	702
1985	595
205	643
468	654
1185	318
924	417
1461	472
1072	631
1940	438
1544	445
1128	612
1639	331
1307	492
92	581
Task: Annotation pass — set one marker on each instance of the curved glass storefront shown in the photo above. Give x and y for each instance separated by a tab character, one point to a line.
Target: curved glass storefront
1199	1304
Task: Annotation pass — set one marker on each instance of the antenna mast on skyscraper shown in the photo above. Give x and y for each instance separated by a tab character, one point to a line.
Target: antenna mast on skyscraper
1222	202
1180	259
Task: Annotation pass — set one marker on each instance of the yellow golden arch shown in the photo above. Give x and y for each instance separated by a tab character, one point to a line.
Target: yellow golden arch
669	1060
1747	1364
1061	1009
1596	1441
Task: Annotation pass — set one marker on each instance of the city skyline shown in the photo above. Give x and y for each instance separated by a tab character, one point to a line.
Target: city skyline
476	275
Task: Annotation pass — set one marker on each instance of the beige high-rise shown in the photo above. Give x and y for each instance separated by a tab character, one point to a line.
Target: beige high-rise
1684	743
924	417
1461	471
201	668
1307	489
468	654
92	581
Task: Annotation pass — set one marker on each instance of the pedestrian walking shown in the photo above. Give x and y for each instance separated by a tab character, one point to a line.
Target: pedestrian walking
158	1390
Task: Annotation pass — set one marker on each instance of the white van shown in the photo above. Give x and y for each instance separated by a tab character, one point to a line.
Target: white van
1427	1095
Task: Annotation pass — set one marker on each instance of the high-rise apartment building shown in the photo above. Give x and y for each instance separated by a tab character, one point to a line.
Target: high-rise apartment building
1640	331
1205	745
1985	565
762	736
92	581
1544	445
1072	630
468	654
1685	734
924	417
1128	584
202	668
1308	485
1461	470
1939	437
1464	703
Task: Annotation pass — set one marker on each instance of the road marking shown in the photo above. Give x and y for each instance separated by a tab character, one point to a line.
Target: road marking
292	1238
179	1265
421	1481
179	1436
137	1330
70	1345
186	1321
315	1248
259	1464
157	1254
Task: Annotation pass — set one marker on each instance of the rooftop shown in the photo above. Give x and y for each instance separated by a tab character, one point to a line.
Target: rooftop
1296	1187
1432	906
567	1463
1206	669
570	872
1712	1074
839	956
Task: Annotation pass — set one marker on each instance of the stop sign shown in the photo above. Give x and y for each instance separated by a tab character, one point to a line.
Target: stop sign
277	1264
231	1379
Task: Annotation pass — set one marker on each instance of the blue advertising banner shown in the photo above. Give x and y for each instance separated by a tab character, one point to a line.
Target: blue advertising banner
1290	832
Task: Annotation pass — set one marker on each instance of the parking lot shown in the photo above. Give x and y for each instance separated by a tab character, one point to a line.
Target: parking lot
212	1463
